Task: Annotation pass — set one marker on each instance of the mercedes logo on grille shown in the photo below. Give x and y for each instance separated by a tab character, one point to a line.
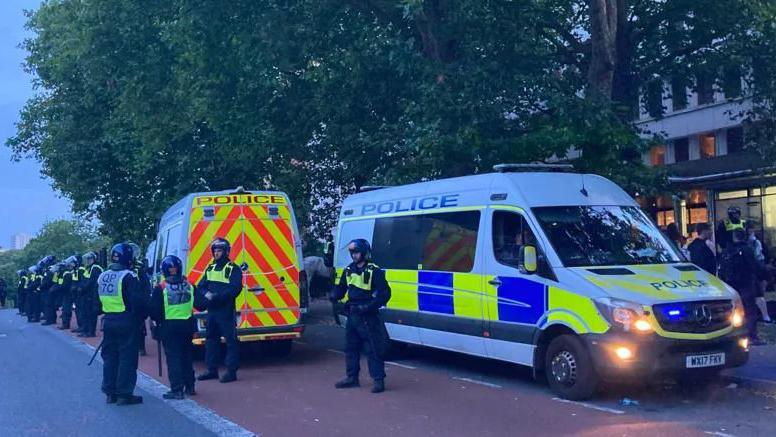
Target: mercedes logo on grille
703	315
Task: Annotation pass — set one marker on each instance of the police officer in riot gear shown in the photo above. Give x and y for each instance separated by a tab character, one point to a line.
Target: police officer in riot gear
34	306
55	291
49	298
172	308
21	291
90	301
367	291
139	268
220	286
125	306
70	280
733	222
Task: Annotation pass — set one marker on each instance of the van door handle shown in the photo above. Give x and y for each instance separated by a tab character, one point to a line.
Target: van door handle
256	289
495	282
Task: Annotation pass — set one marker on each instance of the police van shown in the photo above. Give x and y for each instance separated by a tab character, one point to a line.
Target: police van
265	244
559	271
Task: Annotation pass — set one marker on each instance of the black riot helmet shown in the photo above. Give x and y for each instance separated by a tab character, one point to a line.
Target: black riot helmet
359	245
121	254
220	243
734	212
172	261
90	256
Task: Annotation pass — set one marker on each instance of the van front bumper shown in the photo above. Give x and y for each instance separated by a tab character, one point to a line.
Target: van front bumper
653	355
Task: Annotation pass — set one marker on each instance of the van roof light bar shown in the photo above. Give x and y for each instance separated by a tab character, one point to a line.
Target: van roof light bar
367	188
538	166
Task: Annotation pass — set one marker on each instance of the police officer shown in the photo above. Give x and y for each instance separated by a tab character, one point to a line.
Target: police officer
172	308
725	228
91	300
367	291
49	300
2	292
138	267
125	306
220	286
76	288
33	294
21	291
70	279
57	279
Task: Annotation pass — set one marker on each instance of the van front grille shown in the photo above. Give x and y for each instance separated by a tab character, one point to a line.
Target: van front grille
694	317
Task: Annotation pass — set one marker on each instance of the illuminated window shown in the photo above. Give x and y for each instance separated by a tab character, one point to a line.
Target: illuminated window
657	156
665	218
708	146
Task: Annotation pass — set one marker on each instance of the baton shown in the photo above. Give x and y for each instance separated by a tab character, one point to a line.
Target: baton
95	352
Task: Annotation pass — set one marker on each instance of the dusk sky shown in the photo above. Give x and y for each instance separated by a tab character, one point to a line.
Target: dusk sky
28	200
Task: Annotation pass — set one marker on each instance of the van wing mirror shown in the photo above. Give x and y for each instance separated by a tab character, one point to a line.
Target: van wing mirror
530	262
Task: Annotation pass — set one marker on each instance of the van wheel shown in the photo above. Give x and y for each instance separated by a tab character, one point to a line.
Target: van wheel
569	368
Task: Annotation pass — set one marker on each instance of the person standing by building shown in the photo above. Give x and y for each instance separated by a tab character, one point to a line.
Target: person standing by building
220	285
762	279
367	290
125	306
701	254
725	228
91	299
738	267
172	308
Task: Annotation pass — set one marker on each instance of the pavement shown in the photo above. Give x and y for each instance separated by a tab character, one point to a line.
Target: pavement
430	393
760	371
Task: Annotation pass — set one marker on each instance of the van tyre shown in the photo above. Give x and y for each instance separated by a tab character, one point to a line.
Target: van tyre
569	368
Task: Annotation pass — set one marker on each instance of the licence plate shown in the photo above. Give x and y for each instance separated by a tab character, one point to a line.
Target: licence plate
709	360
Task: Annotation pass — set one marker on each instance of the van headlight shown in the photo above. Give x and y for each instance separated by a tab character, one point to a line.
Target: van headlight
737	317
624	315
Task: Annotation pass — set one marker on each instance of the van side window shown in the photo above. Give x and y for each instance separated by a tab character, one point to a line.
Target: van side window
173	237
441	242
510	233
161	243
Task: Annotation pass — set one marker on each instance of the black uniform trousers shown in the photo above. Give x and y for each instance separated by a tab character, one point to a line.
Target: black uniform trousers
33	306
67	307
21	302
119	356
80	313
47	298
222	323
178	349
91	309
359	335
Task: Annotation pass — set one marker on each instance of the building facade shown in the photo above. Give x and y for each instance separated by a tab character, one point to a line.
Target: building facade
20	241
706	160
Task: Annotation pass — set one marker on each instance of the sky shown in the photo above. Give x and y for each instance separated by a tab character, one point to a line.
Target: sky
27	199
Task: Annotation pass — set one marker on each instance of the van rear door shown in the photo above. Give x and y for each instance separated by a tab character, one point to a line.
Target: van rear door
268	252
207	222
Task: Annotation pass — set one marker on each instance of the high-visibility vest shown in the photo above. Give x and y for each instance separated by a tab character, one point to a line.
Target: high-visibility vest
222	275
363	280
730	226
88	272
109	287
178	300
24	281
76	274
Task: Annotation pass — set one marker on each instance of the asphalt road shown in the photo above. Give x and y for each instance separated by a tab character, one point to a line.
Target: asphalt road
430	393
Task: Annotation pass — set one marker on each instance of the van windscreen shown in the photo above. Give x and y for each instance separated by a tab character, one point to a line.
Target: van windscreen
604	236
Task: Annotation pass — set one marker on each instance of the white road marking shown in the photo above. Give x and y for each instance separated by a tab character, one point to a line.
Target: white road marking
406	366
717	433
474	381
206	417
591	406
336	351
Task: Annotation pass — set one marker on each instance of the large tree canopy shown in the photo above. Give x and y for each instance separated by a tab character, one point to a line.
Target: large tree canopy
142	101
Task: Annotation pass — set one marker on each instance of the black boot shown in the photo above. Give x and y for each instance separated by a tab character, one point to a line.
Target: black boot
110	399
129	400
174	395
189	390
210	374
347	383
379	386
229	376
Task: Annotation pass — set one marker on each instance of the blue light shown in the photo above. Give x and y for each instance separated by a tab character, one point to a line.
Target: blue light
674	313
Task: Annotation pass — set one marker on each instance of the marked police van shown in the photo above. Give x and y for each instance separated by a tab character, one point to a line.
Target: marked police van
562	272
265	244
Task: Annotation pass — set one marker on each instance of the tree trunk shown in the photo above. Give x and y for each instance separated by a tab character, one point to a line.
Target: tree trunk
603	37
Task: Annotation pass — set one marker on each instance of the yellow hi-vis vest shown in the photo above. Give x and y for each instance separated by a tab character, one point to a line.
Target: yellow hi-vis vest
109	289
361	280
88	272
25	281
222	276
57	279
730	226
178	300
76	274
